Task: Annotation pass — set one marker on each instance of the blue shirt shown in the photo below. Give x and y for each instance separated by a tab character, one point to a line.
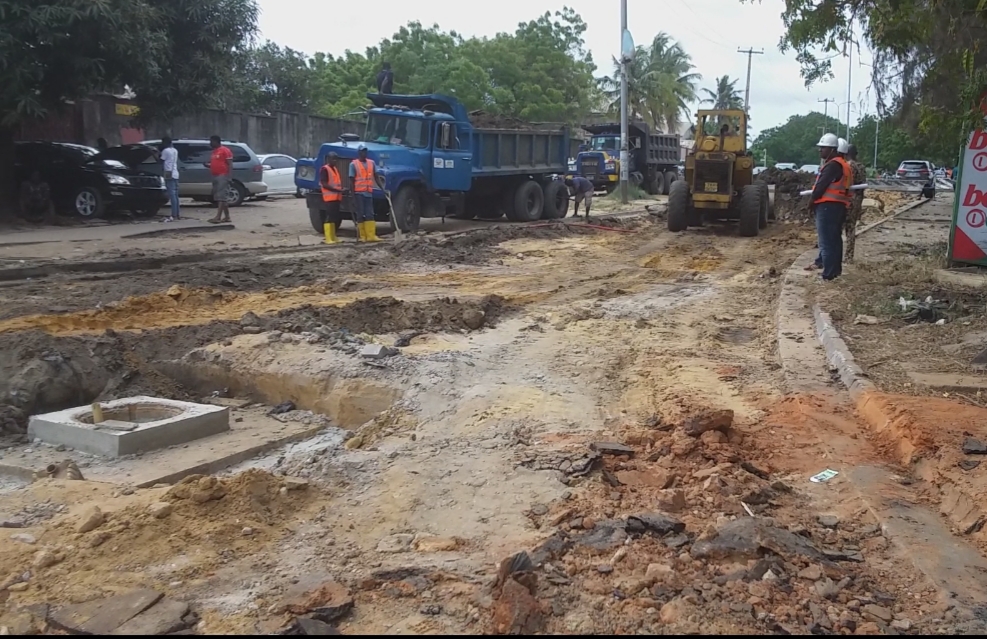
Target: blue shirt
582	185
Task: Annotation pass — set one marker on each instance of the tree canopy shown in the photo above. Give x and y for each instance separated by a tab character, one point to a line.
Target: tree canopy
930	65
724	95
661	84
541	72
795	141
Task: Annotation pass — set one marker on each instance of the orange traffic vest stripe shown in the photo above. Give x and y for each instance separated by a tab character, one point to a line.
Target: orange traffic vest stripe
334	181
364	182
838	192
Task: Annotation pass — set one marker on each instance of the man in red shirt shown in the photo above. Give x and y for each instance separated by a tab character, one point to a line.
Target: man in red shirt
221	167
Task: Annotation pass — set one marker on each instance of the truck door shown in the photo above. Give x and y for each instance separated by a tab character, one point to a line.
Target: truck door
452	166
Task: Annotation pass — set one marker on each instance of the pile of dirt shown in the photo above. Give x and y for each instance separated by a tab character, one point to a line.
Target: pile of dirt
485	120
377	315
789	205
188	531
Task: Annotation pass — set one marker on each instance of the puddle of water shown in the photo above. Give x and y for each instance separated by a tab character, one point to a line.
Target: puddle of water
737	335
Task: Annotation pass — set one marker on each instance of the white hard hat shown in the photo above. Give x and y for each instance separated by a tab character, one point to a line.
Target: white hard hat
829	139
842	146
362	147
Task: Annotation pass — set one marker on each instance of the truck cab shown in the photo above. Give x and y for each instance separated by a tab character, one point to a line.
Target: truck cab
415	143
653	158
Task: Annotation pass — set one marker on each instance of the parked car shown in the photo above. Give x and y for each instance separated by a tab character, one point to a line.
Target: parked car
759	169
195	180
87	182
785	166
919	170
809	168
279	174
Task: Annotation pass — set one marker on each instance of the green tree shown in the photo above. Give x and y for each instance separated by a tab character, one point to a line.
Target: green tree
724	96
660	84
795	141
171	53
268	78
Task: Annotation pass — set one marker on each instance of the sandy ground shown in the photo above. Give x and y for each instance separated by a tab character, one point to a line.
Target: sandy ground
524	353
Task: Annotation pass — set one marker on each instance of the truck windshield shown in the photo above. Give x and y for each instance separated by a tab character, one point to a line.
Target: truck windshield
605	143
394	129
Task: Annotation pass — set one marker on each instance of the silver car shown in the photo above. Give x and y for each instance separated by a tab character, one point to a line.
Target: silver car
195	179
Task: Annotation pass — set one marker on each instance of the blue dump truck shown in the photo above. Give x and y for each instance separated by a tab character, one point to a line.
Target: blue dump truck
434	162
654	158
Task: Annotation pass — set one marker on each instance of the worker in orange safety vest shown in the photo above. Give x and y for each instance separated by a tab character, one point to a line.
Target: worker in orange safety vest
362	177
830	201
332	196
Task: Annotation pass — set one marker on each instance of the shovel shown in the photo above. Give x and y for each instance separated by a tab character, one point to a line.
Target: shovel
398	235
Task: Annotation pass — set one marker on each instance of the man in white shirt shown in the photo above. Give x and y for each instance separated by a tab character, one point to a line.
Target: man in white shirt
169	157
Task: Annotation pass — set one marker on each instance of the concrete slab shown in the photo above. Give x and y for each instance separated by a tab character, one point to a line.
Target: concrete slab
255	435
133	425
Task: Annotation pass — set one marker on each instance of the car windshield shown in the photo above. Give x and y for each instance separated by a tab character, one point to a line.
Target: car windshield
394	129
605	143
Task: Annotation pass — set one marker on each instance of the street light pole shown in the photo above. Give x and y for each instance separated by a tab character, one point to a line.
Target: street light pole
849	77
877	136
624	155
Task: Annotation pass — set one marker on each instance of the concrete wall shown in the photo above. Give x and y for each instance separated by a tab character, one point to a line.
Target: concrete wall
105	116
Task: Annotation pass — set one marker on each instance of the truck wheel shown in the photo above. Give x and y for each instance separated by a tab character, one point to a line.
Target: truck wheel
407	209
670	178
750	210
678	207
528	202
762	221
657	184
556	200
506	205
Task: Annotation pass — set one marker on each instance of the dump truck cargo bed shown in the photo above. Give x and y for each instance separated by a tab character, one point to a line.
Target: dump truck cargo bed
519	151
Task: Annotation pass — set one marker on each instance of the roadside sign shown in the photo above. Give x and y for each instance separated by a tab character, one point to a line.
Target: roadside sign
968	235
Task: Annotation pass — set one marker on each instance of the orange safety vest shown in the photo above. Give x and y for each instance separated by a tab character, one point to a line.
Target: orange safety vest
334	181
838	192
364	181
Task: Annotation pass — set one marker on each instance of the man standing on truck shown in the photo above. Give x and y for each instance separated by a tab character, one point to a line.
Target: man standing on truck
332	195
582	191
859	174
362	180
829	202
221	167
385	79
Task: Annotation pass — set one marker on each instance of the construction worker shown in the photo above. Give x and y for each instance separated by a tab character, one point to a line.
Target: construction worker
362	178
582	191
332	195
830	200
859	176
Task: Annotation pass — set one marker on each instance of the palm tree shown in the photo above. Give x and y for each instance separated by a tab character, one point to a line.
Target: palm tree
660	84
725	96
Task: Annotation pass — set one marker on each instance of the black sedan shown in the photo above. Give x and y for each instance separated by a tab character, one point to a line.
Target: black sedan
90	183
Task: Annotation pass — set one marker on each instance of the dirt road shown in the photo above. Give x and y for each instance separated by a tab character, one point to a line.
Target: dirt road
609	401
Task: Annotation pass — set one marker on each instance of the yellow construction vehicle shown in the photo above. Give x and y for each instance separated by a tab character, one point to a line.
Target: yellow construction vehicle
719	177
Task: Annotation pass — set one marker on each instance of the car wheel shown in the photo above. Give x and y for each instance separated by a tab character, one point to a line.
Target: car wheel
236	195
88	203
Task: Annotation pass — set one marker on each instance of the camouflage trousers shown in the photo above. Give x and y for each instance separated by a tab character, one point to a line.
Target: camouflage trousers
850	226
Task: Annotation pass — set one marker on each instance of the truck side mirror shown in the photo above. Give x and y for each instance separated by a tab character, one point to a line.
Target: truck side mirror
445	135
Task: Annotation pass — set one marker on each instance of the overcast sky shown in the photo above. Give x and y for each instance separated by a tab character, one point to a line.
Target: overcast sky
711	31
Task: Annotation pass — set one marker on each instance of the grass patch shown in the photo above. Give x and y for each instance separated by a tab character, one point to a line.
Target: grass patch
633	193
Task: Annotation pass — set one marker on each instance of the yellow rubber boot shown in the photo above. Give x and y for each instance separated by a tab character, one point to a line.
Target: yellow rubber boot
360	235
370	231
330	231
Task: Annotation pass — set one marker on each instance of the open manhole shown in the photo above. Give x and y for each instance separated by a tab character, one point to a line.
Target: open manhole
129	426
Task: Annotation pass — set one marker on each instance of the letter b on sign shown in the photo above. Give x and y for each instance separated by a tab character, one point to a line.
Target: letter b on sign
974	197
979	141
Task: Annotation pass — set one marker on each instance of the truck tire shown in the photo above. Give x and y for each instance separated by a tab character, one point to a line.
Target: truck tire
750	210
762	221
529	201
556	200
407	209
670	178
678	207
656	184
506	204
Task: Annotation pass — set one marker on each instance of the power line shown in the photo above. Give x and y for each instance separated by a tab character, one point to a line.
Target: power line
747	93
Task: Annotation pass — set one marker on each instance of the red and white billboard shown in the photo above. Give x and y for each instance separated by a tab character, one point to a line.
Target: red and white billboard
968	236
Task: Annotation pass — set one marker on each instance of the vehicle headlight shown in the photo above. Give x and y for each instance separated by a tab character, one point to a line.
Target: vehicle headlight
306	172
113	178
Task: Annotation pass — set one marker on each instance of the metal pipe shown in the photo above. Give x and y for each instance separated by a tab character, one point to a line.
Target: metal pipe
624	154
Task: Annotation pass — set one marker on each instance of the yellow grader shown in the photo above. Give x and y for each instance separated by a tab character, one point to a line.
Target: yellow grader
719	178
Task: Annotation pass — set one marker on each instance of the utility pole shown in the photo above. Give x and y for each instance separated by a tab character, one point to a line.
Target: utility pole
826	102
747	92
849	77
624	155
877	136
